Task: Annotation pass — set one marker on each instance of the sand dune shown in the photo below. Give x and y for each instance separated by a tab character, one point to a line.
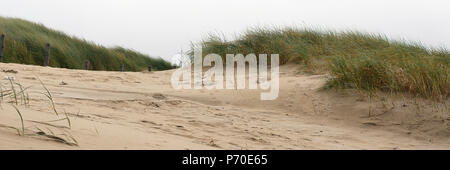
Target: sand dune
140	110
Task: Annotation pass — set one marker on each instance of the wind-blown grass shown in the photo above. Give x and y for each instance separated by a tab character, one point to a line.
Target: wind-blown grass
25	43
355	60
49	96
22	130
12	96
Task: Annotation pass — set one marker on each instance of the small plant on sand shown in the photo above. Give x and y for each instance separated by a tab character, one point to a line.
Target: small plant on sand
49	96
40	128
21	131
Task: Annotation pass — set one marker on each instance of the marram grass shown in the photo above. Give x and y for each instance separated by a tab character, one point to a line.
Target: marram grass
354	60
25	43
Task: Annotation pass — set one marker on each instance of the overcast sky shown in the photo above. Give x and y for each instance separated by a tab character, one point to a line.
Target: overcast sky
162	28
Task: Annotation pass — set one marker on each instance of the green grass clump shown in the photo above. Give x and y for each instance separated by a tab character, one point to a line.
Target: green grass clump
25	43
355	60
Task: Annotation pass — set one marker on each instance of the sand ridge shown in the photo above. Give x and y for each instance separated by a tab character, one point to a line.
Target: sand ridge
140	110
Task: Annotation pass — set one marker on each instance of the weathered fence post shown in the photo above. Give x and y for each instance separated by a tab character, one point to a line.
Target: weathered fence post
86	64
47	54
2	46
121	67
149	68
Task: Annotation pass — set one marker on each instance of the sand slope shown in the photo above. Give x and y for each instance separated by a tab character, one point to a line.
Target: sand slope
127	110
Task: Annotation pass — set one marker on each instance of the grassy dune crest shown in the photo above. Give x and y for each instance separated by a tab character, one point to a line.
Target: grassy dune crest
25	43
355	60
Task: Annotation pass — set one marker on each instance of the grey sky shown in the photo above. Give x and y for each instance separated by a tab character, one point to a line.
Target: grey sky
161	28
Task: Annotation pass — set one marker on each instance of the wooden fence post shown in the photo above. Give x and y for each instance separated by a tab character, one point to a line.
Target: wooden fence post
86	64
2	46
47	55
149	68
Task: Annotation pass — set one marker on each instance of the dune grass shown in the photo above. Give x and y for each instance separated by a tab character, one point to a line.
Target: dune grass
47	129
25	43
369	62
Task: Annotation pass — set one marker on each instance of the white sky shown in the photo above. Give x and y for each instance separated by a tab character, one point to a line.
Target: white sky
162	28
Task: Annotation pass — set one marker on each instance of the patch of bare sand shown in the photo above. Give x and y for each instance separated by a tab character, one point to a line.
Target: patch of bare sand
139	110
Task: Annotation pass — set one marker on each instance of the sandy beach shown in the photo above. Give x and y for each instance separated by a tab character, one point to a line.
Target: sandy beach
140	110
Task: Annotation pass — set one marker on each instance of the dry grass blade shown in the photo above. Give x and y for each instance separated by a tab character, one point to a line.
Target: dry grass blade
21	120
23	98
68	119
49	124
56	138
48	95
13	90
55	120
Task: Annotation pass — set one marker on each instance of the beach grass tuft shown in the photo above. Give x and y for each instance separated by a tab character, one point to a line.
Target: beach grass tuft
364	61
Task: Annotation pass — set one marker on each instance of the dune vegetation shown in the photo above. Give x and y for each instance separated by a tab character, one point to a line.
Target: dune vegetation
25	43
369	62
